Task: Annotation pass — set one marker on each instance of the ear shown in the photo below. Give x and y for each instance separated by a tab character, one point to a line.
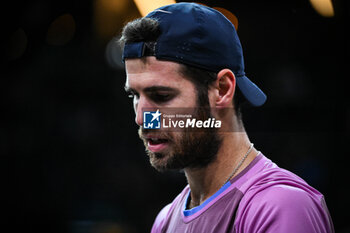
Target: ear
225	84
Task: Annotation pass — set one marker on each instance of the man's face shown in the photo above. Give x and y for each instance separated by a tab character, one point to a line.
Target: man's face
155	84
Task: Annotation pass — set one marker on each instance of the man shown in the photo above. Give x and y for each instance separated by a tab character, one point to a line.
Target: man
188	56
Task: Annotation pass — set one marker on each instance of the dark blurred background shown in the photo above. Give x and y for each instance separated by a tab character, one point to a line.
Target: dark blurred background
70	155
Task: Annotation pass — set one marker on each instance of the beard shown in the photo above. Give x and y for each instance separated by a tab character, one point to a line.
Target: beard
188	148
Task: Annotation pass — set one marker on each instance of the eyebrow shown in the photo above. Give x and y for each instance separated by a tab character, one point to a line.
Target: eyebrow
152	89
160	88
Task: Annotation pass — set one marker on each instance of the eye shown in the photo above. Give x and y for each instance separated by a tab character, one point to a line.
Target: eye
160	97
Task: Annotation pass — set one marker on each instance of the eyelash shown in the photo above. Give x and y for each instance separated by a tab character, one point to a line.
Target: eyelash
159	98
156	97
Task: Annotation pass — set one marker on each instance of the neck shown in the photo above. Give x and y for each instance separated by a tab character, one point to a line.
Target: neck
204	182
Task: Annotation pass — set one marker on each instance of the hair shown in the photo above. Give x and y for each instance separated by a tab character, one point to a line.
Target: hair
147	30
142	29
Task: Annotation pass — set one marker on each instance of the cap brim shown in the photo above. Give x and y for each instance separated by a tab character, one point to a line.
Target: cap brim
250	91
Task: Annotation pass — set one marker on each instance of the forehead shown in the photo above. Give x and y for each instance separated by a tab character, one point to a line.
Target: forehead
150	71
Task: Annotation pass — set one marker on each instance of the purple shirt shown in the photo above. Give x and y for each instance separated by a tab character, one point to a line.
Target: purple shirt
262	198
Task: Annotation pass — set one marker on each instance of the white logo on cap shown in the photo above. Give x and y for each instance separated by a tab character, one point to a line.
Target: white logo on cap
163	11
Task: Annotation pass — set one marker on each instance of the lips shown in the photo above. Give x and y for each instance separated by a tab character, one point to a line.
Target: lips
156	144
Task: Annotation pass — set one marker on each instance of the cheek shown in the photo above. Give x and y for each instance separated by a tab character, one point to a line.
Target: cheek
213	95
176	138
180	138
188	96
191	98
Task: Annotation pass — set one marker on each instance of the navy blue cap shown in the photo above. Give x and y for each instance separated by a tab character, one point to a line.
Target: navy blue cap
198	36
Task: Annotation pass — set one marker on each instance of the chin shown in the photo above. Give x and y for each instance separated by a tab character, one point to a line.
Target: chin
160	165
163	161
158	160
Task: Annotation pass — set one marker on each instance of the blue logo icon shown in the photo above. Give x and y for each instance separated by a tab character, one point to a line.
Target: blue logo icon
151	120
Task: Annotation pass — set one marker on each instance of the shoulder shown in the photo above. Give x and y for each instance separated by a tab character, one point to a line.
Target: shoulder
280	197
283	204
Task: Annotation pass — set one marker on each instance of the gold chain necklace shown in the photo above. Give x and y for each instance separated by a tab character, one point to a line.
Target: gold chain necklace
236	168
240	163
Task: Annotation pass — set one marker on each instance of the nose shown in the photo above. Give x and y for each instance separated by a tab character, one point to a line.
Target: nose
138	116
